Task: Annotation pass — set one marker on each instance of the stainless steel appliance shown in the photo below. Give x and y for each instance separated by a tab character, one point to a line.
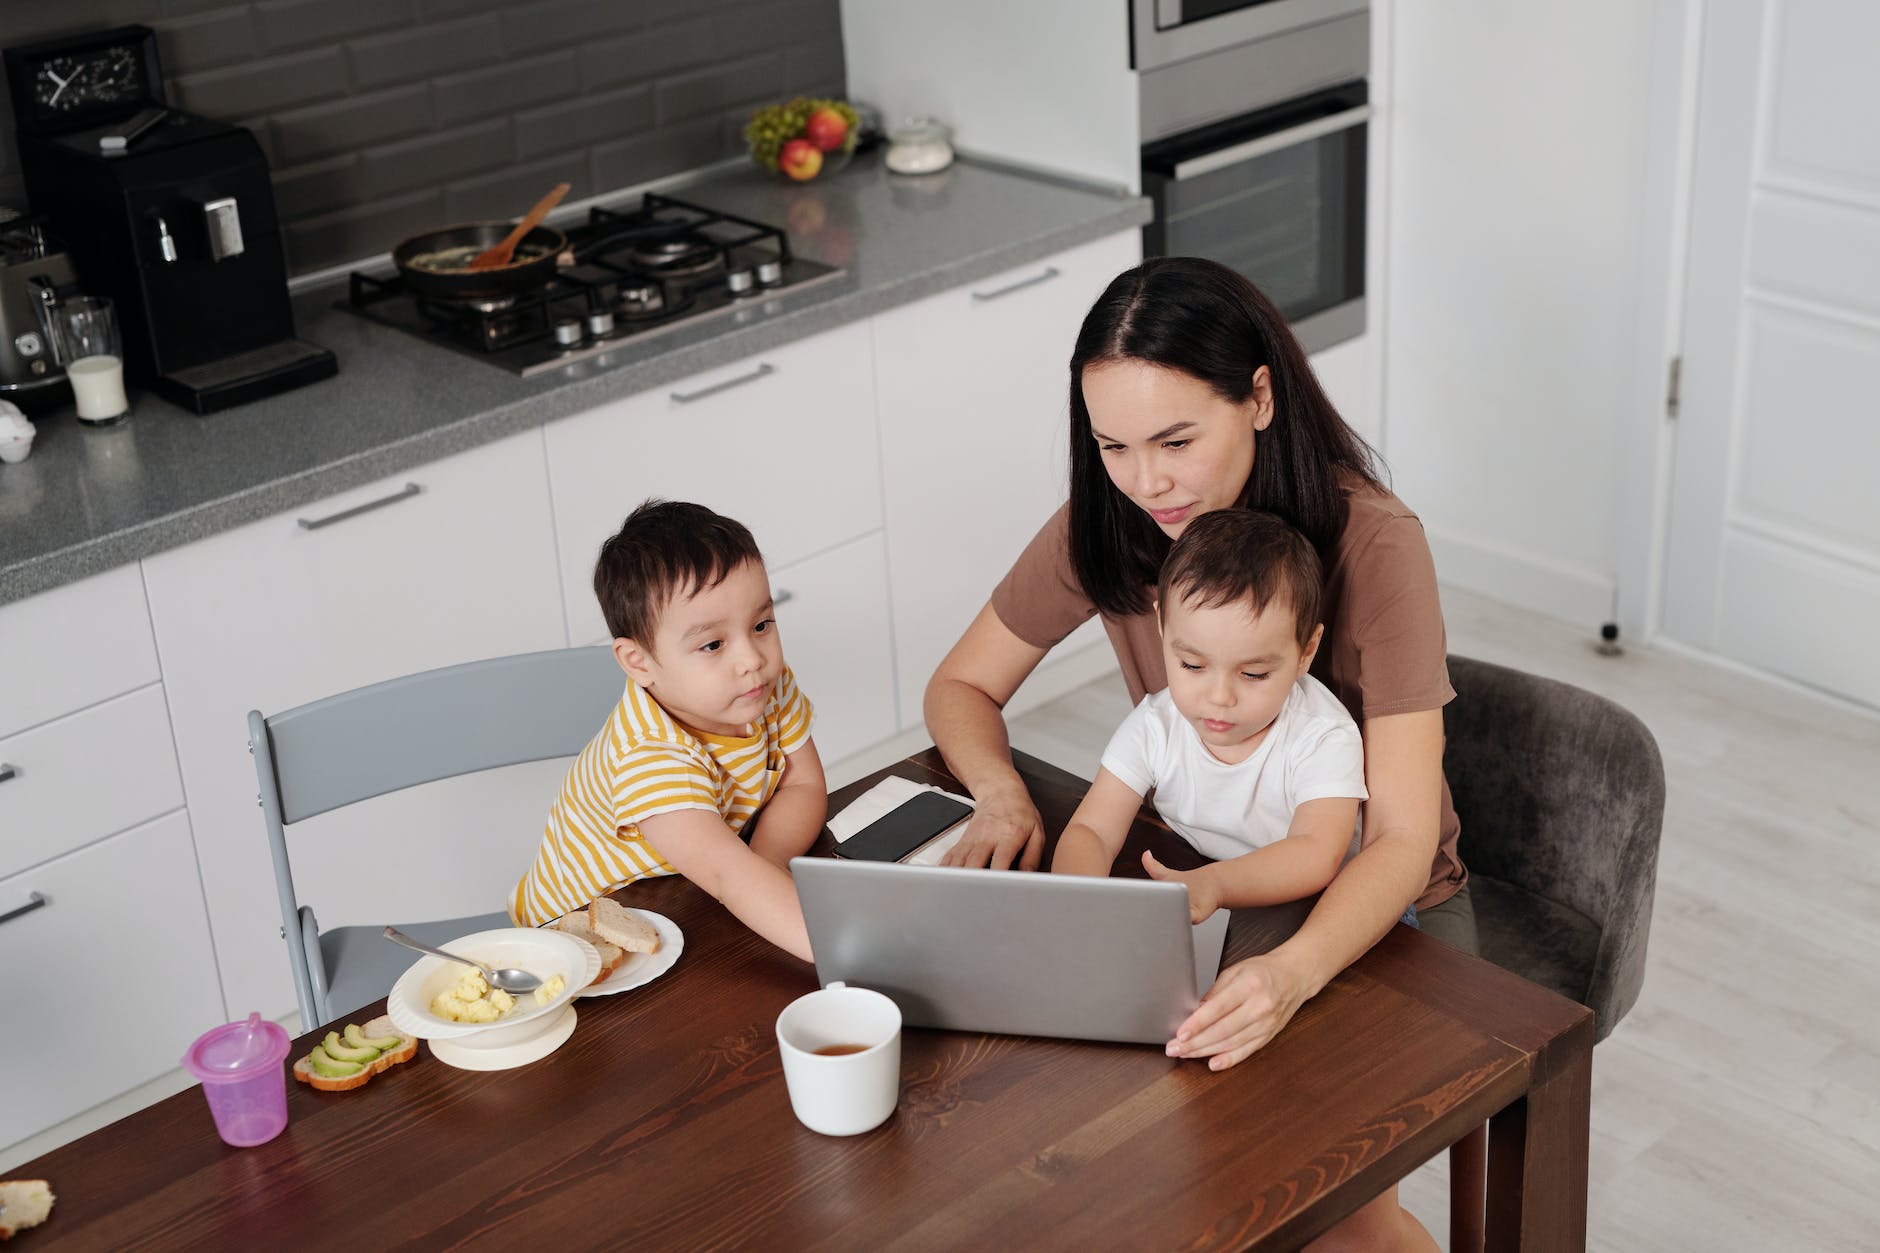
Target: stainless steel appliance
1255	147
625	274
34	273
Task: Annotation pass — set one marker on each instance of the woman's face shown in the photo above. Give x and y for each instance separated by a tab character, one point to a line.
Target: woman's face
1170	442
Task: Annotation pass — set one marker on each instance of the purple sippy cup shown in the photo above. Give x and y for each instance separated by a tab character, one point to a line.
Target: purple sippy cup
239	1065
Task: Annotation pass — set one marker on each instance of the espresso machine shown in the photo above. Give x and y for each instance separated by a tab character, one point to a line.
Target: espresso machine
34	273
169	214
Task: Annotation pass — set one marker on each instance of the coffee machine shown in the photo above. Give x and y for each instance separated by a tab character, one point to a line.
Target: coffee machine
169	214
34	274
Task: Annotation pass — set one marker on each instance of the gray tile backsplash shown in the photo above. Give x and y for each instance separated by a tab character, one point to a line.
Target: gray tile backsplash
382	118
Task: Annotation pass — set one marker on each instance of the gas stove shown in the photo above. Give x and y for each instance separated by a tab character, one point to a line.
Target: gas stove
626	274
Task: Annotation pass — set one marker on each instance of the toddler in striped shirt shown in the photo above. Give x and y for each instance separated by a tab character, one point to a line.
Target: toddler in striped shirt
706	767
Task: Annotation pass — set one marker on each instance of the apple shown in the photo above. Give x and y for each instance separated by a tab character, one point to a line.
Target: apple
800	159
826	129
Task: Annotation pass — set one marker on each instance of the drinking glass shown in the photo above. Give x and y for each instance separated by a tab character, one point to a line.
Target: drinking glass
91	348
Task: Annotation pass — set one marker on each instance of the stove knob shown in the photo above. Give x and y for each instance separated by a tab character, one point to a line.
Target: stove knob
739	282
600	323
567	332
770	273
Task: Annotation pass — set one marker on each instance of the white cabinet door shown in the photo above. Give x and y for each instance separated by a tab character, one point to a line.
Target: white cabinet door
73	646
278	613
87	1017
972	390
784	442
832	613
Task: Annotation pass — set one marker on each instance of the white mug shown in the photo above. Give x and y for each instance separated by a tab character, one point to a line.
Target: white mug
841	1093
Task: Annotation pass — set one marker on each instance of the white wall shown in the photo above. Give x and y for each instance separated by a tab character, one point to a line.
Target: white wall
1043	83
1517	201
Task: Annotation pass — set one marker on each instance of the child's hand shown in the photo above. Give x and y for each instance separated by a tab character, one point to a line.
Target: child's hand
1203	896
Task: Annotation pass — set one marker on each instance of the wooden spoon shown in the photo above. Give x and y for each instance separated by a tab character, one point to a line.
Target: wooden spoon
493	258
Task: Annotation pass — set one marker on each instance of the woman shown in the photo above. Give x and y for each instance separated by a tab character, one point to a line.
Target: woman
1188	394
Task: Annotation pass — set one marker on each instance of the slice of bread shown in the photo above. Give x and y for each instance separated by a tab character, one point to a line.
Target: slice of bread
576	925
378	1029
23	1203
616	923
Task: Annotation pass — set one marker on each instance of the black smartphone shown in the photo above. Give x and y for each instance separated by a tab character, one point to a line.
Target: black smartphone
904	828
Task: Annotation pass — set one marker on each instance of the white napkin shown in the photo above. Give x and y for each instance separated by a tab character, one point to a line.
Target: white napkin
884	796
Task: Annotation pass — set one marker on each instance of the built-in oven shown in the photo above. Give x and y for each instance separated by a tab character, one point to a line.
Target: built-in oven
1165	31
1256	154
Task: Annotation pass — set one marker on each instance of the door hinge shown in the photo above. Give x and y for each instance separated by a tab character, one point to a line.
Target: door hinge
1671	387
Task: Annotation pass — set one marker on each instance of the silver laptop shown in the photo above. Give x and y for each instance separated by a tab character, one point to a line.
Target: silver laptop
1012	952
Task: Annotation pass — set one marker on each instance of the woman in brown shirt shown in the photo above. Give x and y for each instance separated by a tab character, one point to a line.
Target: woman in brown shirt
1189	394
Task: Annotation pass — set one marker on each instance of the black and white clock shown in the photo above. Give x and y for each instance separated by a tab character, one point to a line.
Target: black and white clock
83	80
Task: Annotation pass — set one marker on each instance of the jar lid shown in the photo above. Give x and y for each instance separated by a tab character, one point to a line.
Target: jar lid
236	1050
919	130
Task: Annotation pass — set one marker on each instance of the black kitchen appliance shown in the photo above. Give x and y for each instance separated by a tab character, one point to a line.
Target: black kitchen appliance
623	274
34	270
169	214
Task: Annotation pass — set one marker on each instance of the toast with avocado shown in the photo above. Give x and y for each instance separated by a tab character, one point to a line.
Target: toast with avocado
348	1060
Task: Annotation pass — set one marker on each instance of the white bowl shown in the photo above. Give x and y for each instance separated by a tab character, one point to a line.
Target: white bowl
541	953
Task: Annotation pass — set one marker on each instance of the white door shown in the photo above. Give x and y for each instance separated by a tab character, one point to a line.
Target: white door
1773	550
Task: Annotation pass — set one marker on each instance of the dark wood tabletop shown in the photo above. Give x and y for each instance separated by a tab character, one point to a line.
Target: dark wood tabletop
663	1122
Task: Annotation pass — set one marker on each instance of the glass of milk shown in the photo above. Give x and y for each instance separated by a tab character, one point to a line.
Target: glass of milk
93	353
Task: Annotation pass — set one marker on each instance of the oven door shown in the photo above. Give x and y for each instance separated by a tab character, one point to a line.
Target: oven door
1278	195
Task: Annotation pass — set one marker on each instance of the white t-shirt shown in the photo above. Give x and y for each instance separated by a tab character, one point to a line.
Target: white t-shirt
1312	751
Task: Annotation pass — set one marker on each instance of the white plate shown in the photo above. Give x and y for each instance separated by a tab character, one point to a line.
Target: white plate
477	1053
544	953
640	968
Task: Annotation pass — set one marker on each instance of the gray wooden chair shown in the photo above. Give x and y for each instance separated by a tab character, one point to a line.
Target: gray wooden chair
398	734
1561	794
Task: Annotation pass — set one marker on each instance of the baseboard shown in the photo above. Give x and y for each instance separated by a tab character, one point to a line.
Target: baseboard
1524	579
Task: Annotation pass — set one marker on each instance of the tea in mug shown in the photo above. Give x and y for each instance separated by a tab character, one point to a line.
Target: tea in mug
839	1050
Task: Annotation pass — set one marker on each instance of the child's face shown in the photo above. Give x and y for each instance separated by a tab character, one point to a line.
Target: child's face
1229	669
715	656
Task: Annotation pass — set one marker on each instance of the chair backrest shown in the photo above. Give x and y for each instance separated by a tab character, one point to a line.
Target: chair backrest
412	730
1560	792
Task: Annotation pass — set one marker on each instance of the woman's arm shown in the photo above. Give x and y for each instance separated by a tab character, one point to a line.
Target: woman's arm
964	708
1285	870
793	816
1253	999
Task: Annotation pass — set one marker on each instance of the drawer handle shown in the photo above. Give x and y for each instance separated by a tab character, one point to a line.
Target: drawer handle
1050	272
778	600
34	900
404	493
7	771
686	398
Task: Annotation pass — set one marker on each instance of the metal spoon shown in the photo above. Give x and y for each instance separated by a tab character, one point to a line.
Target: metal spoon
515	982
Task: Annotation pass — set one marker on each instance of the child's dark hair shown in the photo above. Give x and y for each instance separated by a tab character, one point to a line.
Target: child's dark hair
665	548
1233	555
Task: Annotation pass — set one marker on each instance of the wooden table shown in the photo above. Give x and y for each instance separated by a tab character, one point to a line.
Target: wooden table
664	1123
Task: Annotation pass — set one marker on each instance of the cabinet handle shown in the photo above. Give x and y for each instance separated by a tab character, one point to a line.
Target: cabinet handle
404	493
1050	272
34	900
7	771
778	600
686	398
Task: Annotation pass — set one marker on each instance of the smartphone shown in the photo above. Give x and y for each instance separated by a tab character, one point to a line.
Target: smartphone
904	828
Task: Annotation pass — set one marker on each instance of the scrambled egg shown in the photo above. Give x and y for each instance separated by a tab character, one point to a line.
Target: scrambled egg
550	990
473	1000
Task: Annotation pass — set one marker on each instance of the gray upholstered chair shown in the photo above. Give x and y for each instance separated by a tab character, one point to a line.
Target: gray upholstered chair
398	734
1561	794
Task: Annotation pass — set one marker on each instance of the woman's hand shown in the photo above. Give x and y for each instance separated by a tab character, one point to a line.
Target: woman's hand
1004	826
1204	894
1247	1006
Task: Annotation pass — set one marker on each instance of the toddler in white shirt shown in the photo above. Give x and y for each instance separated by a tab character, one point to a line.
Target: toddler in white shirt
1252	760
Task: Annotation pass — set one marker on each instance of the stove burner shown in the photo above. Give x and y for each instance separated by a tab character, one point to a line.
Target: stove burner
677	256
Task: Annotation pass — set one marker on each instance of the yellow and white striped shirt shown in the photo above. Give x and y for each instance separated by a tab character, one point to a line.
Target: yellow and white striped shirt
646	762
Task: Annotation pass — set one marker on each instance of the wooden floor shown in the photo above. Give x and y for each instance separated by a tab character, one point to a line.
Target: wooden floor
1738	1105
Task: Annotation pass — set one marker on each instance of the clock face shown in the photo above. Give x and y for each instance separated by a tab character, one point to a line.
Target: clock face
70	82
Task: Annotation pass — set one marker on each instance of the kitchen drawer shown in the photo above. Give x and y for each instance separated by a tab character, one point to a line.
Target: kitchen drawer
74	646
833	616
83	777
87	1015
784	442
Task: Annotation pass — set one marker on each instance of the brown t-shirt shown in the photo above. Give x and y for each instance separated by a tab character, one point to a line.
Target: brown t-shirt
1384	650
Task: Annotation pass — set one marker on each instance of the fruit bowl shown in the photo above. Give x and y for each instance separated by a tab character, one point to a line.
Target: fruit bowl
802	139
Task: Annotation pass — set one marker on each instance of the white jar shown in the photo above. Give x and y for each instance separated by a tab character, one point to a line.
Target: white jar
919	145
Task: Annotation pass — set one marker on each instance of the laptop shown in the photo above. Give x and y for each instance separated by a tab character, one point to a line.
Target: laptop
1010	951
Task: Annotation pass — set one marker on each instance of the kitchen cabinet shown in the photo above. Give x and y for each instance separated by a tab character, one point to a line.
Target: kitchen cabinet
449	563
88	1015
74	646
972	393
832	612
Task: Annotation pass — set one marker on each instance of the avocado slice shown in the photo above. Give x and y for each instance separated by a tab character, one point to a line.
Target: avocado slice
327	1068
356	1038
383	1044
343	1053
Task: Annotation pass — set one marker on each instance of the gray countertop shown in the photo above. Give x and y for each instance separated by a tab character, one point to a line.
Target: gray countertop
88	500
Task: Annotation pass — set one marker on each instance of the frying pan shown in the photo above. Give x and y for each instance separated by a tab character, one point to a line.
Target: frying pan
479	284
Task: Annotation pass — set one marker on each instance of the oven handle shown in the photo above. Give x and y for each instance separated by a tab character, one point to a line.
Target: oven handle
1315	129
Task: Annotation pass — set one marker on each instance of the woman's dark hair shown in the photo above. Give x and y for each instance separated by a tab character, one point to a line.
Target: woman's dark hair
1199	317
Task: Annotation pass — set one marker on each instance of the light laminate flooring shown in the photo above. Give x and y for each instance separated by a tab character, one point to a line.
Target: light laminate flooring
1738	1105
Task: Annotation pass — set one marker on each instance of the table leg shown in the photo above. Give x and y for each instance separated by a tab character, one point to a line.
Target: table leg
1537	1153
